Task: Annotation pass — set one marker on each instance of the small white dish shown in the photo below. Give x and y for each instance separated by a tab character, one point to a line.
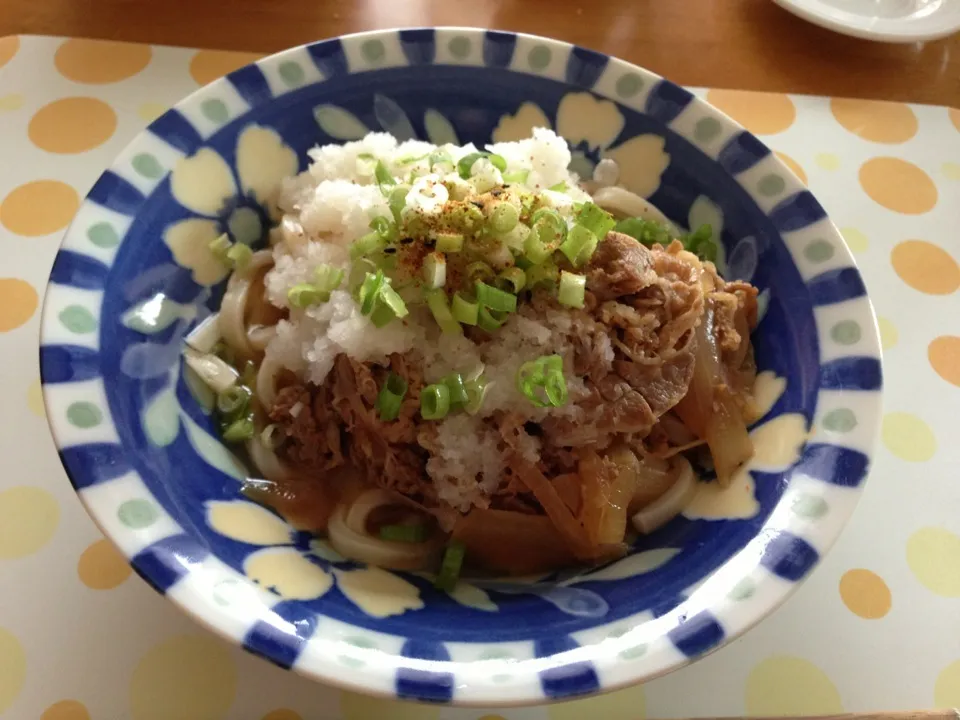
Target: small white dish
898	21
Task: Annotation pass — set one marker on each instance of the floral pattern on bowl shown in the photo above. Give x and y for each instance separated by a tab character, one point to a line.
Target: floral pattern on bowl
133	430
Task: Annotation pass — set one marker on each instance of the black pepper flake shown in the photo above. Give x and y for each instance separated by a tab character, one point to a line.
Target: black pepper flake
389	250
430	243
477	204
406	241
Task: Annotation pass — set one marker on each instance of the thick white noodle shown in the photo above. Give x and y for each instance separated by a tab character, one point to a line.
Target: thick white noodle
267	375
259	336
266	461
671	503
623	204
363	547
233	309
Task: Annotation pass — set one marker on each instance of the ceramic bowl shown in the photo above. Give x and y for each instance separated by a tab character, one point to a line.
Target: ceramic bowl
134	275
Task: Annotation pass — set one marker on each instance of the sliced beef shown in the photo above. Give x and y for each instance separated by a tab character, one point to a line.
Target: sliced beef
620	266
386	452
311	438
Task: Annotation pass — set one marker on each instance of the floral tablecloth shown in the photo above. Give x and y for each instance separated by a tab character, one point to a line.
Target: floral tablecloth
876	627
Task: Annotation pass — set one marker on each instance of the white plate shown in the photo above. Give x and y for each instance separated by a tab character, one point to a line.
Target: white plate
886	20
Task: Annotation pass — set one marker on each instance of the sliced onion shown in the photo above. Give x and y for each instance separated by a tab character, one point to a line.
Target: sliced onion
670	504
623	204
216	373
363	547
204	337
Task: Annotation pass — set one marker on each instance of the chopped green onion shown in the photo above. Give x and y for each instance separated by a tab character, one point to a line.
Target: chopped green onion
479	271
542	382
327	278
572	289
304	295
397	200
490	320
595	219
435	270
440	156
646	232
466	217
369	291
579	245
383	227
383	176
701	243
545	275
449	242
220	245
437	302
516	238
549	231
450	567
504	218
407	159
467	162
457	389
239	255
476	391
516	176
380	301
498	161
271	437
367	245
233	400
391	397
490	297
511	280
366	156
239	430
559	187
464	311
556	389
404	533
434	402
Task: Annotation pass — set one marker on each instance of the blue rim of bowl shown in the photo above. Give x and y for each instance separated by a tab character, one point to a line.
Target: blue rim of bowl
225	602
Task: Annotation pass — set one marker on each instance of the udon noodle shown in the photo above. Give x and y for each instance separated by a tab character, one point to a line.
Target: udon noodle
449	357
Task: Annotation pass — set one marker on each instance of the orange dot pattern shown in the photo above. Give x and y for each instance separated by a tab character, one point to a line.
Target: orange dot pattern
926	267
898	185
865	594
944	356
208	65
760	113
882	122
99	62
72	125
66	710
18	302
39	208
8	48
102	567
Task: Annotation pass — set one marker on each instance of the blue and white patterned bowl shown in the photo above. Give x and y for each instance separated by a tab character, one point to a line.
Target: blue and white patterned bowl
135	274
